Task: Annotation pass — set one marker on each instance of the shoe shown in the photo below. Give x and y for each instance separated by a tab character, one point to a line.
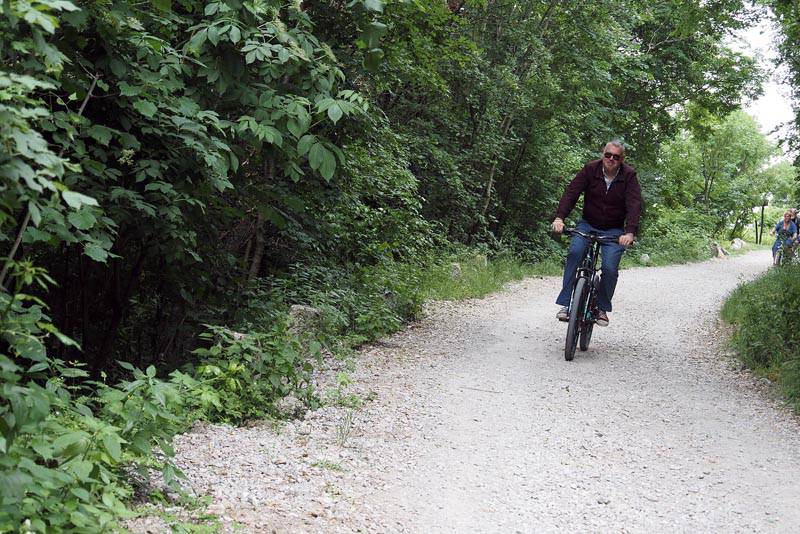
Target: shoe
601	318
563	314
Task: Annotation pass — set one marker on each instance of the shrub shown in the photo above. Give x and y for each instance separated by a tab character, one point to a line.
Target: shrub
241	375
766	313
675	237
66	442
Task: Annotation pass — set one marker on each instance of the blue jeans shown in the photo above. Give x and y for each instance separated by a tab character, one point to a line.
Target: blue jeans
610	253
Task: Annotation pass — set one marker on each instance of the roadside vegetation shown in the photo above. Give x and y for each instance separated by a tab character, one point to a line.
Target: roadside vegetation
177	174
767	333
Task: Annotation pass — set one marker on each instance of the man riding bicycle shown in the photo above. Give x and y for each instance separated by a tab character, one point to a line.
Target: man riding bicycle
612	205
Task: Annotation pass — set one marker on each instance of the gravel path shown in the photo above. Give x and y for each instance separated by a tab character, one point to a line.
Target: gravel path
478	424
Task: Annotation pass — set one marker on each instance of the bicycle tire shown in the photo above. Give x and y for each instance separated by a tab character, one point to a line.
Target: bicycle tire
576	310
585	335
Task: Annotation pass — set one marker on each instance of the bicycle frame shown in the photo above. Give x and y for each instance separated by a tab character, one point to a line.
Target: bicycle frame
588	266
588	269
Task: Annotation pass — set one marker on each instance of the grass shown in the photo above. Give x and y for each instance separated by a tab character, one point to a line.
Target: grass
766	314
345	427
473	276
327	464
470	275
188	518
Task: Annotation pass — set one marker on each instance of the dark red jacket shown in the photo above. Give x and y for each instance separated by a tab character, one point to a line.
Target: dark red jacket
620	206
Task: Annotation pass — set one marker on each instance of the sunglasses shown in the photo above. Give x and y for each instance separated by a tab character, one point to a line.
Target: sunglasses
615	157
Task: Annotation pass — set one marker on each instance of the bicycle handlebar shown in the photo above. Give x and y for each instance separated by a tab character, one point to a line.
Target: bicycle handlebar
591	237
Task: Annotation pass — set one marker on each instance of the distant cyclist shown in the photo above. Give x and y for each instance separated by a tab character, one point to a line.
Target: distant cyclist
785	231
612	205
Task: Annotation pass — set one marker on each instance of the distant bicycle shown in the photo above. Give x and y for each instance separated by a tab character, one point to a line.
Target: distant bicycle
583	303
786	253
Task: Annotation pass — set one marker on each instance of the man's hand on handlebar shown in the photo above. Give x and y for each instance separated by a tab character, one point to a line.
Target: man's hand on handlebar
626	240
557	225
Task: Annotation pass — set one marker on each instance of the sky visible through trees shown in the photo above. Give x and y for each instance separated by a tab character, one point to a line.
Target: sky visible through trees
773	109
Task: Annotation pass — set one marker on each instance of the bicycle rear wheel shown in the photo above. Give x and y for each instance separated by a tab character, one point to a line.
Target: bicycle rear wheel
587	325
576	311
585	335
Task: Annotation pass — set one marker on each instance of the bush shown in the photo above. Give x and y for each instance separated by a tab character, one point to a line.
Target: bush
477	276
69	448
241	375
68	443
766	313
674	237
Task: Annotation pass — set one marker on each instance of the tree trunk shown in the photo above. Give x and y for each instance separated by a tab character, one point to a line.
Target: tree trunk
258	250
260	241
735	226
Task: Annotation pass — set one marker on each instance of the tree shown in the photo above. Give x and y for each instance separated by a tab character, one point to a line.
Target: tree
722	171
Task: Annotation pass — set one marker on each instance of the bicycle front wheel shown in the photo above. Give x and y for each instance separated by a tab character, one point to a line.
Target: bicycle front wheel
576	310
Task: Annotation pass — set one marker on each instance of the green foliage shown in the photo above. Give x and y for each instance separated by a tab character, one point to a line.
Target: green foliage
470	275
167	154
787	13
68	443
721	168
359	304
765	313
241	375
174	163
675	236
125	129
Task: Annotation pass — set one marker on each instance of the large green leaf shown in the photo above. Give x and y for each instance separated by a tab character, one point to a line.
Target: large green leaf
316	155
328	165
295	128
335	112
82	219
113	446
66	440
76	200
101	134
373	58
96	252
14	484
163	5
145	107
235	34
304	144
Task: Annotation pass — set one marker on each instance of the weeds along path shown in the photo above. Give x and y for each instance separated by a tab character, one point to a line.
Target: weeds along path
479	425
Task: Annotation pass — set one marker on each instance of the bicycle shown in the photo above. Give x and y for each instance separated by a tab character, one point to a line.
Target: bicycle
584	294
785	253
